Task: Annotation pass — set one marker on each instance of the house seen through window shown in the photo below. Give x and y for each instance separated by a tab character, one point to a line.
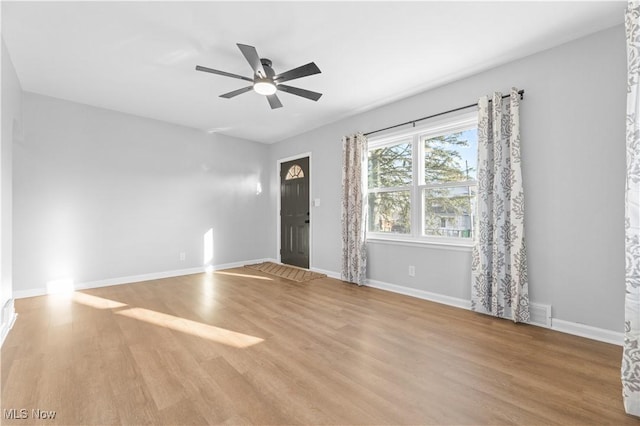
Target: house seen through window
422	183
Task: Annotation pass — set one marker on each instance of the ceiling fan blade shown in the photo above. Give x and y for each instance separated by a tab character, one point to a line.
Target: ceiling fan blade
274	102
237	92
302	71
251	54
314	96
226	74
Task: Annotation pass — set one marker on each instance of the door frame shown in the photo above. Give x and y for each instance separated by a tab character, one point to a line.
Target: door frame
278	202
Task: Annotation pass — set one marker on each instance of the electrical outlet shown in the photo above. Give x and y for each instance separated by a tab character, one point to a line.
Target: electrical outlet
412	271
183	256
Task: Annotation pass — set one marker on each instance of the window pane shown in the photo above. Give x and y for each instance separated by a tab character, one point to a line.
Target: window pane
448	212
295	172
390	166
451	158
390	212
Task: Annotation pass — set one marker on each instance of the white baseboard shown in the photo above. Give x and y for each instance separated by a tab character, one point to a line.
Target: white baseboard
583	330
330	274
540	313
237	264
421	294
266	259
8	319
20	294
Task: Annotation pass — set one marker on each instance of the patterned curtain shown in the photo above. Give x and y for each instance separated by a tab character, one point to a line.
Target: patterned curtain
631	351
354	224
499	265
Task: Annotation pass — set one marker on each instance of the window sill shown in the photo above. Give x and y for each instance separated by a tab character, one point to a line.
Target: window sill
399	241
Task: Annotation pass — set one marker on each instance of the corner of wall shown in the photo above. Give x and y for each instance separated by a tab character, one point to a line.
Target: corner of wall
8	319
11	128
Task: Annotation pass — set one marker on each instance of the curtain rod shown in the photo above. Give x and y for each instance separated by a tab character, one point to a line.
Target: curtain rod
520	92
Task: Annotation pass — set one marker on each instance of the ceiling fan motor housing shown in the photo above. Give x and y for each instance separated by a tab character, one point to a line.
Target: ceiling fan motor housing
266	64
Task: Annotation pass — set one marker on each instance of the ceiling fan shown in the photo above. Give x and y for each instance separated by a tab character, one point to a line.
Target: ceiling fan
265	80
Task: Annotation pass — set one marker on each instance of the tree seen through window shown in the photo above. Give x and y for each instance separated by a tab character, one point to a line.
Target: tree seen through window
444	183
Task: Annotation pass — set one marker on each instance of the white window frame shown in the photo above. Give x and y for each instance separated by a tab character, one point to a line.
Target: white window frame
428	129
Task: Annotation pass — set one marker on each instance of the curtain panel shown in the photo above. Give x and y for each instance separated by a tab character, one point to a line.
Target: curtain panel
354	201
499	265
631	351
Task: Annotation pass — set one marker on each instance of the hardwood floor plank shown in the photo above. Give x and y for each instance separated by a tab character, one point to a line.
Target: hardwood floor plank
243	347
214	403
19	391
248	402
182	412
163	385
135	405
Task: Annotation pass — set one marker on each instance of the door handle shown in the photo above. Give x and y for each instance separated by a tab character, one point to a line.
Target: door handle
307	221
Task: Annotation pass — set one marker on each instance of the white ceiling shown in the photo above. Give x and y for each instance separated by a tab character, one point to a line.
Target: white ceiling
140	57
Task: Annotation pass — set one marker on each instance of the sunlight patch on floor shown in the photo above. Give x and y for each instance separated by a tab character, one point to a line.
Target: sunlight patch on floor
205	331
235	274
96	302
183	325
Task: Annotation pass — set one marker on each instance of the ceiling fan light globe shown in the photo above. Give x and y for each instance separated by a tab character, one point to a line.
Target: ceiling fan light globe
264	87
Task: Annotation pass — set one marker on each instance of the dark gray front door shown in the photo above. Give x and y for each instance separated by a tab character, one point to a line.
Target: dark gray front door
294	212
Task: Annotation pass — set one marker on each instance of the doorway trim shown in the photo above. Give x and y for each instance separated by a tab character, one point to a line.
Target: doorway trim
278	202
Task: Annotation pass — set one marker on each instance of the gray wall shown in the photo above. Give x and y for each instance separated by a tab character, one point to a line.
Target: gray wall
573	148
11	129
100	194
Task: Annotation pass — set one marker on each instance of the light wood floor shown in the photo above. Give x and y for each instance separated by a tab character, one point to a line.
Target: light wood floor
240	347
